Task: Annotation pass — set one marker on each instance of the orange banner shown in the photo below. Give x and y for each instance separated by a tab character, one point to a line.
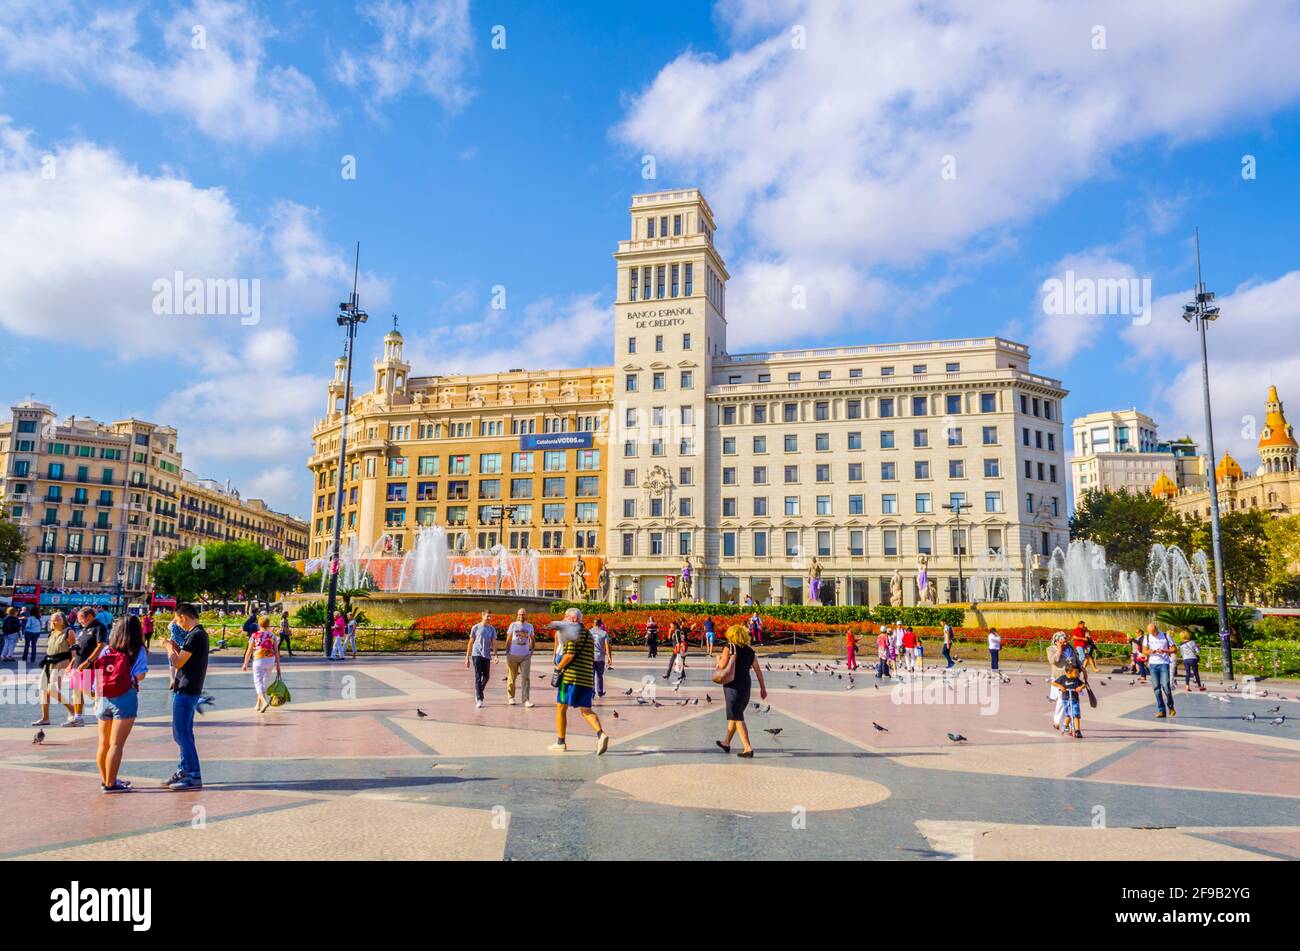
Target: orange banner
480	573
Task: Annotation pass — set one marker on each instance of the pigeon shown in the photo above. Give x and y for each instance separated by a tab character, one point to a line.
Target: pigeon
641	701
204	701
879	728
708	699
1250	717
656	703
615	714
627	692
1029	682
695	702
420	713
755	706
1278	721
775	730
769	709
1277	709
39	738
956	737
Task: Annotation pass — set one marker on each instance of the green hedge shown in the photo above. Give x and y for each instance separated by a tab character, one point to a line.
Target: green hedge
796	613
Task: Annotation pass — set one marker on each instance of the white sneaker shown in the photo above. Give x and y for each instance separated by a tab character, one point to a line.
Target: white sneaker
478	703
602	742
528	704
558	748
511	701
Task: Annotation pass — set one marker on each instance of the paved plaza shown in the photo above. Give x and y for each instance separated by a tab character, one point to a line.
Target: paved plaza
350	770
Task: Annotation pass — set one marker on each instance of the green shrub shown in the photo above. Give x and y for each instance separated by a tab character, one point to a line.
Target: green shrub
1273	628
311	614
918	616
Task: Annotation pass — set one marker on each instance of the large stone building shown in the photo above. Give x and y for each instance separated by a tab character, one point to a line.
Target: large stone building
1273	488
861	458
453	450
753	465
99	503
1121	450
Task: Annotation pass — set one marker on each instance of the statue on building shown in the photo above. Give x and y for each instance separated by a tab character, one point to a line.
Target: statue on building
578	580
815	582
602	582
896	589
923	583
686	582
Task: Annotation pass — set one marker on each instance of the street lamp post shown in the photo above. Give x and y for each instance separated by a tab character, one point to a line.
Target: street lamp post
956	508
350	315
1199	312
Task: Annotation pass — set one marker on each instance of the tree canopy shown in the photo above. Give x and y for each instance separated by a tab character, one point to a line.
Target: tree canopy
12	545
225	571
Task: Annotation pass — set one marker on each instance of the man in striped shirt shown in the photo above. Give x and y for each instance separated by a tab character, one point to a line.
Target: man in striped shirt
577	680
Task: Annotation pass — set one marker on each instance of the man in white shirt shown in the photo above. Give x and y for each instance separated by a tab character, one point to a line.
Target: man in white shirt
520	640
995	646
1159	648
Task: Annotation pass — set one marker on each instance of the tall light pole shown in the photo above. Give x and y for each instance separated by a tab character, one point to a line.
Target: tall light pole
1199	312
350	315
956	508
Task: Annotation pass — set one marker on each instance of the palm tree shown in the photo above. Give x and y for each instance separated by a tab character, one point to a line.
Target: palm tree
347	594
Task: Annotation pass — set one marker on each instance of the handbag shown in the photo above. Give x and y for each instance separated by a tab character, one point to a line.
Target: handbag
724	674
278	693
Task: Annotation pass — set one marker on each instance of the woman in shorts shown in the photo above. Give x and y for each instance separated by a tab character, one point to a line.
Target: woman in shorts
58	654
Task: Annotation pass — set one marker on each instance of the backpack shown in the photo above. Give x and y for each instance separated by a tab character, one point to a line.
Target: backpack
114	674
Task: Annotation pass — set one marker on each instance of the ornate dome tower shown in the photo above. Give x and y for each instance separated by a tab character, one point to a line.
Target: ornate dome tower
1228	469
1277	444
1164	487
392	370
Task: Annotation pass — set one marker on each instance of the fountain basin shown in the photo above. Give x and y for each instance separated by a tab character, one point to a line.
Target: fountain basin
410	606
1127	616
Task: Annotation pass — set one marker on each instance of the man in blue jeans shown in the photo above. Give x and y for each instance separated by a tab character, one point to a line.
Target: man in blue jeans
187	652
1159	648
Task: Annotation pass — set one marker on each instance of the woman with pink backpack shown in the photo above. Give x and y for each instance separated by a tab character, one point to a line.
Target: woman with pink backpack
264	651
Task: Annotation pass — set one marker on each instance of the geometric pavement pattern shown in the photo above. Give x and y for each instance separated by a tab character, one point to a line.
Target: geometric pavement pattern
348	770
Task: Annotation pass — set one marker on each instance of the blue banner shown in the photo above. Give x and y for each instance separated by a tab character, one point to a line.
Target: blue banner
555	441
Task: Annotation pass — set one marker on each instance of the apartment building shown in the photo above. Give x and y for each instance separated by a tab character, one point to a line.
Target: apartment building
101	503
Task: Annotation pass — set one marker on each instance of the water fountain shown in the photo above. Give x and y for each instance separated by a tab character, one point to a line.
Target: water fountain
1078	582
430	577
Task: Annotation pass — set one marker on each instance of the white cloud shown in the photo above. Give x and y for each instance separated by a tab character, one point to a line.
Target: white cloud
549	333
251	406
1253	344
833	153
226	86
425	45
1056	337
278	486
84	246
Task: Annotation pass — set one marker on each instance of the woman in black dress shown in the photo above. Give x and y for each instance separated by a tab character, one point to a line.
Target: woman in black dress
736	692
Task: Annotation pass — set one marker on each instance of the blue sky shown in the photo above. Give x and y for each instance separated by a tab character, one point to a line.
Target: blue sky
821	133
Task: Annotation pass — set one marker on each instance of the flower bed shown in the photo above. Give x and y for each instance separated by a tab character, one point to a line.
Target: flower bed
628	627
